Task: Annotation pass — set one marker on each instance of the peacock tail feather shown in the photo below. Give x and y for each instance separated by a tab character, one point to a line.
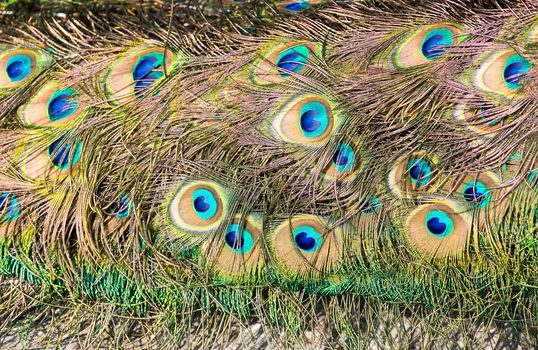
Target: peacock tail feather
269	174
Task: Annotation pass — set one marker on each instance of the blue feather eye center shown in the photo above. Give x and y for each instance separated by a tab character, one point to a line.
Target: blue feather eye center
201	205
204	204
436	42
9	207
340	157
307	238
314	119
239	240
62	104
439	223
309	121
122	207
18	67
296	6
62	154
147	70
344	157
292	60
15	70
420	171
514	71
477	193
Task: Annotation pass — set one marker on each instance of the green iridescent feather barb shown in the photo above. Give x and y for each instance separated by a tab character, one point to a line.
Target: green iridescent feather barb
284	174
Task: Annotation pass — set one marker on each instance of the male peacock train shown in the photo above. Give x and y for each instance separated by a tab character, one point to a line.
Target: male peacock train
261	165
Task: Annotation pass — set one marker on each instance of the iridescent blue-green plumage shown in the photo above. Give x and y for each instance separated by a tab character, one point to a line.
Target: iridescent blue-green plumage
287	174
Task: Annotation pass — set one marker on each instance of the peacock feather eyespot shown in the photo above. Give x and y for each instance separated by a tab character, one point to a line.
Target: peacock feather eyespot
18	66
53	105
62	104
483	120
121	208
439	223
295	6
306	244
64	154
9	207
136	71
502	73
371	206
419	171
426	44
314	119
204	203
306	120
239	252
489	122
197	207
283	60
46	159
345	163
478	190
344	157
147	71
477	194
239	239
413	173
482	194
307	239
436	42
514	71
439	229
292	60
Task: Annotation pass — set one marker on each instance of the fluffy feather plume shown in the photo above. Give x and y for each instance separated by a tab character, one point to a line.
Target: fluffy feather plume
280	174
